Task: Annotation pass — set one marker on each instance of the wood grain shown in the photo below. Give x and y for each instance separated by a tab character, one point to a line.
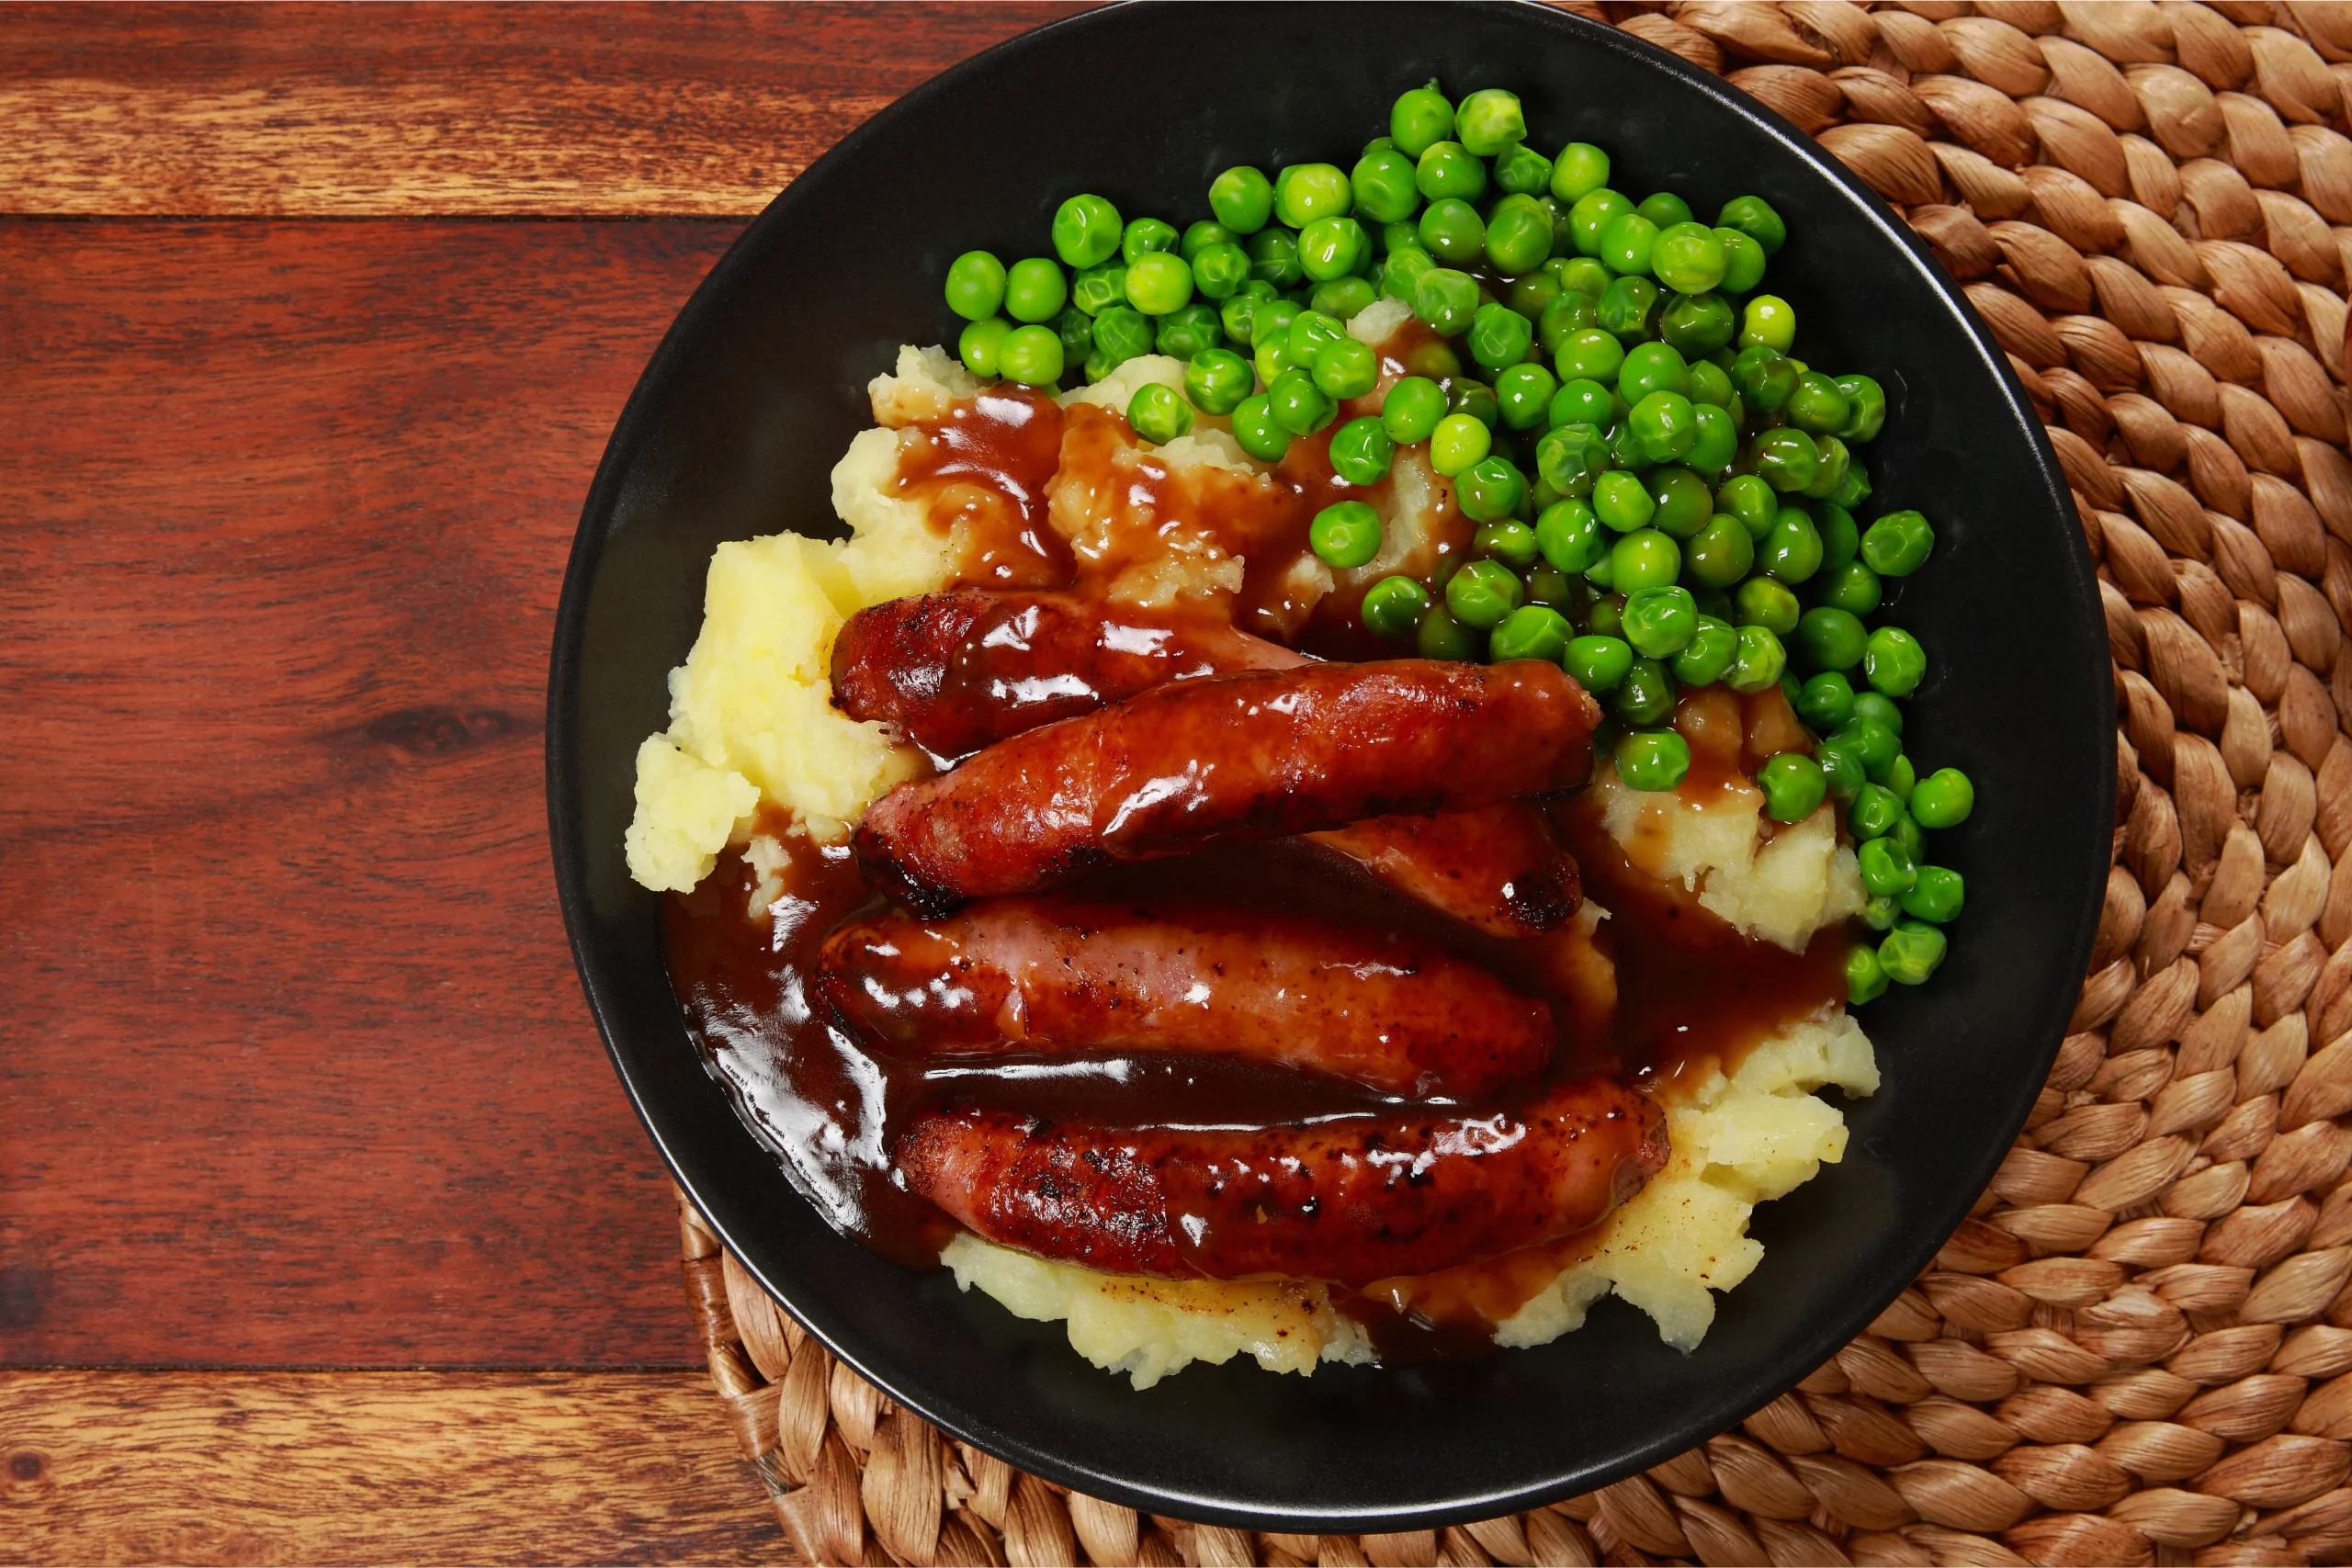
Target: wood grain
296	1070
489	110
419	1468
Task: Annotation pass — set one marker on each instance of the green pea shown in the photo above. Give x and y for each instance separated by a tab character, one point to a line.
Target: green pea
1499	337
1489	120
1216	379
1854	488
1830	638
1099	287
1239	313
1199	236
1410	411
1875	812
1489	490
1343	297
1030	355
1708	655
1659	621
1644	558
1865	976
1382	184
1446	301
1159	282
1873	742
1880	913
1297	404
1445	170
1792	551
1893	662
1522	171
1627	308
1697	325
1362	451
1842	769
1569	535
1760	661
1590	214
1665	425
1571	459
1865	408
1086	231
1121	333
1906	832
1304	192
1769	320
1652	368
1720	553
1664	208
1076	333
975	285
1531	631
1332	248
1187	332
1830	470
1681	501
1605	615
1476	399
1530	294
1506	539
1911	953
1937	896
1482	594
1583	274
1764	378
980	345
1034	290
1626	245
1743	261
1714	447
1897	545
1590	354
1786	458
1688	258
1346	369
1751	501
1825	701
1816	406
1764	603
1394	605
1887	867
1652	760
1623	502
1548	584
1439	635
1794	786
1254	428
1274	357
1518	235
1853	588
1580	401
1242	198
1218	270
1273	257
1159	414
1143	236
1902	778
1645	696
1420	119
1754	217
1458	444
1524	391
1840	540
1943	799
1452	231
1580	169
1401	272
1345	533
1599	663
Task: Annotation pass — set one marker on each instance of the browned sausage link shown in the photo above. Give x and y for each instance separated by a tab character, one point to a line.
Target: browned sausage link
1350	1200
1060	976
962	669
1497	868
1256	755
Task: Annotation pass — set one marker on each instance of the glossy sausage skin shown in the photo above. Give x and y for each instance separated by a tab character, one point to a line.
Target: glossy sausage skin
1057	976
1350	1200
962	670
1497	868
1256	755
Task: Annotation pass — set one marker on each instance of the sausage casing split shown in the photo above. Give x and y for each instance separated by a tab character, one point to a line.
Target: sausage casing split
1350	1200
1256	755
965	668
1059	976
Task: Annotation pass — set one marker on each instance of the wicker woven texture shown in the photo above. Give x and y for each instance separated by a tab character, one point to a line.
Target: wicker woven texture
2139	1350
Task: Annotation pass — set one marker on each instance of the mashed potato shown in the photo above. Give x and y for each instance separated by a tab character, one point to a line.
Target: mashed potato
751	722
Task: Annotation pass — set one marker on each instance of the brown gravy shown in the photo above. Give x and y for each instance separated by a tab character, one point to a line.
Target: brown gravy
1660	988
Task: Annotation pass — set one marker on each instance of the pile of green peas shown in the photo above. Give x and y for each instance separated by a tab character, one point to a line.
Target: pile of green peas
1664	495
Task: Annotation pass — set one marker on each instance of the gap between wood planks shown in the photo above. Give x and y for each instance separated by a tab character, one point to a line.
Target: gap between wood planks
330	1468
543	111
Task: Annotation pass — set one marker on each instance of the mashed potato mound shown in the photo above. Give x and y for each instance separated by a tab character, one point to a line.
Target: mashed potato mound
752	721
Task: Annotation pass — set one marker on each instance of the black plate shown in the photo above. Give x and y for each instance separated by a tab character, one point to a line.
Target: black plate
760	385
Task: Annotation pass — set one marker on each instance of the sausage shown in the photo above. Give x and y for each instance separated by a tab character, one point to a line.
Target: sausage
962	670
1255	755
1060	976
1497	868
1350	1200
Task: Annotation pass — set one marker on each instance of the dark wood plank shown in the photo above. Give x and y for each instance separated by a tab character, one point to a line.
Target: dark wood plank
388	110
296	1070
374	1467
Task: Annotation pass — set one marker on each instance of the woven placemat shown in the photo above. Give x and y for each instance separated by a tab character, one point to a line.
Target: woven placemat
2139	1350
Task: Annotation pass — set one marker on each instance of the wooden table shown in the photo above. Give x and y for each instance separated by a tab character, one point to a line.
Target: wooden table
326	1234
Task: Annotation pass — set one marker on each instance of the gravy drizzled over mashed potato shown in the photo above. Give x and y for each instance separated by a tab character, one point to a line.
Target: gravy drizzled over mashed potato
757	761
